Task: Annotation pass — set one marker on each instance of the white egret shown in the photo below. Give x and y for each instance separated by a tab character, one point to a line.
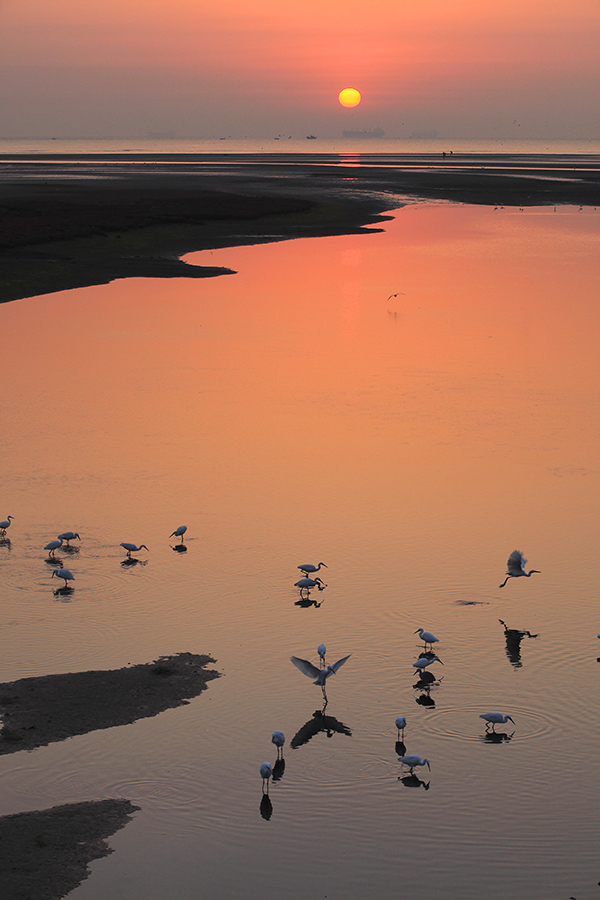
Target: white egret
266	771
4	525
515	567
63	573
322	650
53	545
496	718
132	548
278	739
307	584
68	536
422	663
401	725
309	569
179	532
428	637
320	675
412	760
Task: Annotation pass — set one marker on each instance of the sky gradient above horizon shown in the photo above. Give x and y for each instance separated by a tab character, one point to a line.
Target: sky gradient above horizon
517	70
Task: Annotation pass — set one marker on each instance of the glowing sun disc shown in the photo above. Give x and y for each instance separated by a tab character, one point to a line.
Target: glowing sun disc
349	97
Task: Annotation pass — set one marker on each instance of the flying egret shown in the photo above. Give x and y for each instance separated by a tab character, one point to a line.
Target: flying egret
322	650
179	532
428	637
413	760
320	675
496	718
307	584
132	548
278	739
63	573
401	725
515	567
266	771
422	663
68	536
52	546
309	569
4	525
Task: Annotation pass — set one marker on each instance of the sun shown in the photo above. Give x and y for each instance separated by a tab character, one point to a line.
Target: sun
349	97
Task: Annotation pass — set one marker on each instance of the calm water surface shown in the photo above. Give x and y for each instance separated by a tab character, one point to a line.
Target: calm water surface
289	414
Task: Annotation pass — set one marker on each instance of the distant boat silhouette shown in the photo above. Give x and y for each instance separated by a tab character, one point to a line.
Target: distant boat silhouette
371	133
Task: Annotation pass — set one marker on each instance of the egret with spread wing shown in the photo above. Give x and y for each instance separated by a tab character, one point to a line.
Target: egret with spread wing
515	567
320	675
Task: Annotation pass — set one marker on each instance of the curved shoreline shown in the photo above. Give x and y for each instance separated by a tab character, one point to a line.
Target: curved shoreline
68	222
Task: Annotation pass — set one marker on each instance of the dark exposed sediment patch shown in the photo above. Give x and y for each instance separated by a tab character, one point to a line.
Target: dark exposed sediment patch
42	710
45	854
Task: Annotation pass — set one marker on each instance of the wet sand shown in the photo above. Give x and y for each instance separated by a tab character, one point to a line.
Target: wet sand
73	222
44	855
49	708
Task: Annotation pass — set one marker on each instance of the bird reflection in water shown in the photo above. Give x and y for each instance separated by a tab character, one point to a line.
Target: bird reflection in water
306	602
306	585
413	781
5	542
179	548
513	637
319	722
130	561
266	807
426	682
496	737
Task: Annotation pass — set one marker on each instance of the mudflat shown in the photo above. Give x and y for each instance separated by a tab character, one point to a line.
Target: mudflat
78	221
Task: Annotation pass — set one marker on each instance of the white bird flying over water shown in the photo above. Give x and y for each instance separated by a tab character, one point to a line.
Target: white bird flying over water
320	675
515	567
4	525
132	548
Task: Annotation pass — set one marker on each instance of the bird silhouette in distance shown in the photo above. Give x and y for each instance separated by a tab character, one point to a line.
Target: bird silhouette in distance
4	525
515	567
412	760
397	294
427	637
132	548
496	718
52	546
309	569
179	532
63	573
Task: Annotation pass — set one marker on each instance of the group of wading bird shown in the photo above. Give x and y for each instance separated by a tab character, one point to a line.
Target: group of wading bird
515	568
64	540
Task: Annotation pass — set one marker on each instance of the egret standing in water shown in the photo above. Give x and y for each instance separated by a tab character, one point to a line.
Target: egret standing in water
307	584
68	536
428	637
496	718
132	548
401	725
4	525
515	567
413	760
278	739
63	573
266	771
321	650
52	546
309	569
179	532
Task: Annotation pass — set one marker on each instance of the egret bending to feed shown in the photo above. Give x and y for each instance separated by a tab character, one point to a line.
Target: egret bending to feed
68	536
278	739
496	718
63	573
266	771
515	567
401	725
179	532
428	637
413	760
4	525
322	650
132	548
320	675
307	584
52	546
309	569
421	664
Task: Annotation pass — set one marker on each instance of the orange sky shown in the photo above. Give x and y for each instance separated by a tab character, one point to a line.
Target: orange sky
204	69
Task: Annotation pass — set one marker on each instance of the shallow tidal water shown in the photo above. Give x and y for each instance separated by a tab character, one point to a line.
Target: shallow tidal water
291	413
